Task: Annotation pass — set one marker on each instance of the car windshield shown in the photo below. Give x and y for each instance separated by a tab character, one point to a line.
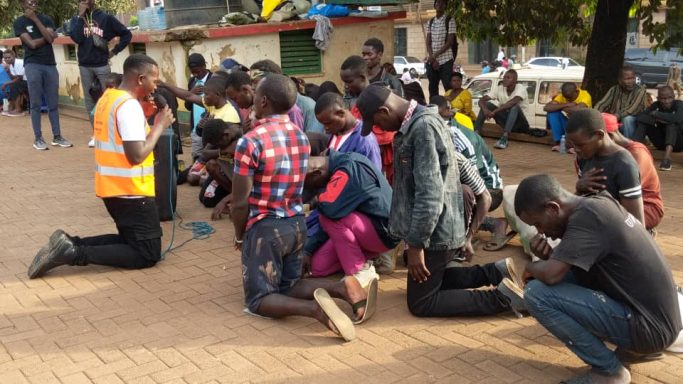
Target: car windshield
479	88
412	59
573	63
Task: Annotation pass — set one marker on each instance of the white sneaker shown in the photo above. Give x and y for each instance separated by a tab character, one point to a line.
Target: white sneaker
91	143
366	275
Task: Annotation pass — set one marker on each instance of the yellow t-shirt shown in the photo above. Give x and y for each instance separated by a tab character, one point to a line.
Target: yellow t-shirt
583	98
227	113
462	103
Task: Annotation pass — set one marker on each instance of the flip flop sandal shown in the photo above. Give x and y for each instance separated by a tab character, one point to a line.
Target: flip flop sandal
370	303
338	318
498	242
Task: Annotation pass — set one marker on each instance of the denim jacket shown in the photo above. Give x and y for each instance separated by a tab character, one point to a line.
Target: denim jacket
427	208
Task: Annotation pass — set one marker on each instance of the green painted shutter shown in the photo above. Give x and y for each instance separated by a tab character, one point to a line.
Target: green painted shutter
298	54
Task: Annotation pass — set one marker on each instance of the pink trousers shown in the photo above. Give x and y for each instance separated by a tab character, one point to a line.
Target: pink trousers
353	240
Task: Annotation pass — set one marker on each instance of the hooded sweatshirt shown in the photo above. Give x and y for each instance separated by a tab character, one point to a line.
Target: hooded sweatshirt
103	25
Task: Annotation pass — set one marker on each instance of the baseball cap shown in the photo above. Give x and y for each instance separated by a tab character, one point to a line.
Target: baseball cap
196	60
611	122
232	64
370	100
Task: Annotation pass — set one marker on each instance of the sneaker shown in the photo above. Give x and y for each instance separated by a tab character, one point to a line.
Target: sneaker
59	250
91	143
385	263
514	295
40	144
508	270
62	142
502	142
366	275
665	165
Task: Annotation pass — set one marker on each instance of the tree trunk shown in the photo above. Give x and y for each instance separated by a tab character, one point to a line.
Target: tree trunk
606	47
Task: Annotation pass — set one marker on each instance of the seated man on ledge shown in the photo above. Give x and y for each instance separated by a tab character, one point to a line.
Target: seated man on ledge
625	100
571	99
592	288
506	104
662	122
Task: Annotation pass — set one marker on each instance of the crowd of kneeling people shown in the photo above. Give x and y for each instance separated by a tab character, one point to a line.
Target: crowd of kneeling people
347	182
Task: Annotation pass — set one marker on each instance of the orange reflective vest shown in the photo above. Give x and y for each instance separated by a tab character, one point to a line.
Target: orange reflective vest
114	174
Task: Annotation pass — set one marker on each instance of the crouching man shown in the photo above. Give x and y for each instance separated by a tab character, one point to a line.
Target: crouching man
606	281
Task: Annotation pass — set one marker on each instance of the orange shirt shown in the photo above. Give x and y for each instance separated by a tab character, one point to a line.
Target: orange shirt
649	180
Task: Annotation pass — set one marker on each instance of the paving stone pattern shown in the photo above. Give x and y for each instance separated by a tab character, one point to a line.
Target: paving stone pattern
182	321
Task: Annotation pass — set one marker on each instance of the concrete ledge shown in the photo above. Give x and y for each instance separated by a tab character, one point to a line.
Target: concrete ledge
495	131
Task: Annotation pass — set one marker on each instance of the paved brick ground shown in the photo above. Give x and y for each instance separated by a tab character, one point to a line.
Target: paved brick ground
182	321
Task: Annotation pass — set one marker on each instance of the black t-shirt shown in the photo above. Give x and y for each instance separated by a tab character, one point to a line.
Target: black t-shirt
621	169
42	55
612	253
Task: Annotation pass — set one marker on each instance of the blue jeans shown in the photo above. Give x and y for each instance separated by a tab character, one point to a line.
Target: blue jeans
581	318
43	80
628	127
557	122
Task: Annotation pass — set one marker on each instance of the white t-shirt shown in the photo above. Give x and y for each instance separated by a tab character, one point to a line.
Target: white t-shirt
17	69
131	121
500	96
501	56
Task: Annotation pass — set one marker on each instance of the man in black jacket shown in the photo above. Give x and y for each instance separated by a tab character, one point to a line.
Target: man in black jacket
662	122
92	30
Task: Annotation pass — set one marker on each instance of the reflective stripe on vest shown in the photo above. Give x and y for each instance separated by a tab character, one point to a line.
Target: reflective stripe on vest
114	174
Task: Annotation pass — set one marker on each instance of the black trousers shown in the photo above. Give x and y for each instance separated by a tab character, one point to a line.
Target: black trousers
443	74
448	291
660	134
136	246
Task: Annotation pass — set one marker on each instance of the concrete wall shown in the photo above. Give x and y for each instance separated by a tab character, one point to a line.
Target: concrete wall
172	56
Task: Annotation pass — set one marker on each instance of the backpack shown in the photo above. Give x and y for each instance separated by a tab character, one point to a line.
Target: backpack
454	47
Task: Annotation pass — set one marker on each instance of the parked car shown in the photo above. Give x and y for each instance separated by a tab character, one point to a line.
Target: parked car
401	62
550	62
541	84
652	68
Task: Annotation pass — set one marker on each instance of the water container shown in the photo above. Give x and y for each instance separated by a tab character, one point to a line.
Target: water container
183	12
563	145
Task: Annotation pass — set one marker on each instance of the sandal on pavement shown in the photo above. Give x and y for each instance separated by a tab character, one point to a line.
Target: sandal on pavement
370	303
341	322
499	241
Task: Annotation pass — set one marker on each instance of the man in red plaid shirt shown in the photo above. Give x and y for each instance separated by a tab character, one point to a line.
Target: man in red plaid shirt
267	212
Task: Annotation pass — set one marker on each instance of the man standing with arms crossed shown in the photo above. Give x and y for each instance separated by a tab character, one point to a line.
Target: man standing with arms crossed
92	30
124	179
36	32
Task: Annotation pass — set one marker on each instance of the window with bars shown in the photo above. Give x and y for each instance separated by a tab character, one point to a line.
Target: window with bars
70	52
298	53
138	48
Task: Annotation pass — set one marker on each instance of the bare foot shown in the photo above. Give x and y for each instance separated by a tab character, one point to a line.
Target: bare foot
353	293
324	320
